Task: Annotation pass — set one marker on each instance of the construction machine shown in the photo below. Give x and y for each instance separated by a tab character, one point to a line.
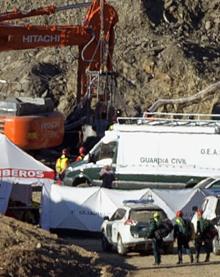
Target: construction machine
95	41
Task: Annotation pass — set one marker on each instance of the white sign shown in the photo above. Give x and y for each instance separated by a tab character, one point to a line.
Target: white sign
169	154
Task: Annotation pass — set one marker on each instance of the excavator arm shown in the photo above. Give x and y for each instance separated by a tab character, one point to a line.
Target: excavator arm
95	40
18	37
95	37
32	36
16	14
48	10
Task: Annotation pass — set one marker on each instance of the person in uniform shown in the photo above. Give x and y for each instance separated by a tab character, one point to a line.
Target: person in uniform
107	175
183	234
202	236
61	164
81	155
157	241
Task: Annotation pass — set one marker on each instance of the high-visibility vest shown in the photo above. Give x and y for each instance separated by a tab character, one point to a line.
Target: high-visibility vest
182	225
61	164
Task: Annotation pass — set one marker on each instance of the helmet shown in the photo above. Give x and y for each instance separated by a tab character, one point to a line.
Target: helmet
82	150
156	215
179	214
65	151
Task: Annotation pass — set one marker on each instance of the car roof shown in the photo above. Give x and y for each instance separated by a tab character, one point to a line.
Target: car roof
205	182
217	196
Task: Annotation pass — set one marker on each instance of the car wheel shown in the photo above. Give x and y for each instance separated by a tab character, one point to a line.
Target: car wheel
216	246
106	246
121	249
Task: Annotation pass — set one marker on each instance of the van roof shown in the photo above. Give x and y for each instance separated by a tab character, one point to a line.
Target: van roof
167	129
169	122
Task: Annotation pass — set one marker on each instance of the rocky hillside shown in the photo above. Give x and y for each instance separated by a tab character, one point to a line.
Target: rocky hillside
164	49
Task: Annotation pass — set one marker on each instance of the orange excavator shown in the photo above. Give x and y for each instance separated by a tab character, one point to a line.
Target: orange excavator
95	41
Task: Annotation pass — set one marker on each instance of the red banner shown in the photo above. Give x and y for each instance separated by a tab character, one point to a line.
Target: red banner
24	173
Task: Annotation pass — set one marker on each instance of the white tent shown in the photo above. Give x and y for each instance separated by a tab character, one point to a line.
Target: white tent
174	200
210	207
5	191
80	208
17	167
84	208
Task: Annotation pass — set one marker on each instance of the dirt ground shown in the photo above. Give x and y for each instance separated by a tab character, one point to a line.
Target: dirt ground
142	265
27	250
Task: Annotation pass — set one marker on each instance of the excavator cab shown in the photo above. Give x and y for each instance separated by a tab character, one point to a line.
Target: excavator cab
31	123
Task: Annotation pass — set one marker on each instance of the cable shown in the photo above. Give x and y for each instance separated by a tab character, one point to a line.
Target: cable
85	47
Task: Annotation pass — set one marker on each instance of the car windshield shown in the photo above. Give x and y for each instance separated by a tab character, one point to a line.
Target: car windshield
144	215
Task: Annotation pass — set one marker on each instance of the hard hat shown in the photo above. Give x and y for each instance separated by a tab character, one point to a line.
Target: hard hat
65	151
82	150
156	215
179	214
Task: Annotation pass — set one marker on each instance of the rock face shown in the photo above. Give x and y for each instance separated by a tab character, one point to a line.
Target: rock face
164	49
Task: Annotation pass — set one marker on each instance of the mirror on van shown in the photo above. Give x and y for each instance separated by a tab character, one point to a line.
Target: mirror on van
106	218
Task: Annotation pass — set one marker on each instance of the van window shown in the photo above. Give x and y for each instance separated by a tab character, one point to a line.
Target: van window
105	151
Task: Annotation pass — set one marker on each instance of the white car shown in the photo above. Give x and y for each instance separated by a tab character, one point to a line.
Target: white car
126	229
210	183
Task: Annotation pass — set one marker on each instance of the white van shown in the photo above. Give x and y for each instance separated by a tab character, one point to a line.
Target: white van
153	152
